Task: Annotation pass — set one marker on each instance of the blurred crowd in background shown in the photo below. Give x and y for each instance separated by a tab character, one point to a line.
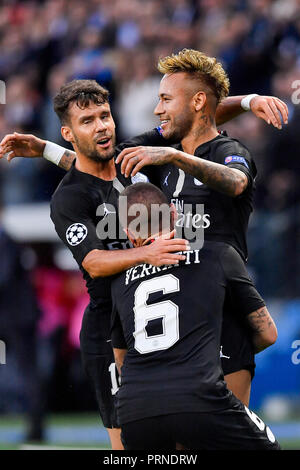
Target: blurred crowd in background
46	43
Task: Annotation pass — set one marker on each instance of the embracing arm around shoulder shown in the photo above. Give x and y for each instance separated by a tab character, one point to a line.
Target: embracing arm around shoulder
164	250
229	181
222	178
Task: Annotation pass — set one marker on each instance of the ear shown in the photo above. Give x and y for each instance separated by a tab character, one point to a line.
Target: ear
199	100
67	134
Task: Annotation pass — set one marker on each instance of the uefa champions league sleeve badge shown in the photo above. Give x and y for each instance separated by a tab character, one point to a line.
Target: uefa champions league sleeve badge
76	233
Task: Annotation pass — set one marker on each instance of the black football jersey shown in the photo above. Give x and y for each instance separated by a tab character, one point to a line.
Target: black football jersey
170	319
222	218
74	208
81	209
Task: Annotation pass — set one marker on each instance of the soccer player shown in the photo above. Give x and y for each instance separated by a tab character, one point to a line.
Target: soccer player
85	201
167	325
206	168
95	262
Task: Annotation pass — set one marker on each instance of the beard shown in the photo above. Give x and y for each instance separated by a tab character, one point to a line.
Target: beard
90	152
179	128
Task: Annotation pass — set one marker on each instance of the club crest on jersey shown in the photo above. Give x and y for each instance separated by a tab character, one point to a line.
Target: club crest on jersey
139	178
76	233
236	159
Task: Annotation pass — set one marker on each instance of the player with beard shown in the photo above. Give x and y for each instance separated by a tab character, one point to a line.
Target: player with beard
96	263
86	197
209	169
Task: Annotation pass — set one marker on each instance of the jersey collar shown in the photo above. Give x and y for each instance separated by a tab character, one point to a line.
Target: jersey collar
203	148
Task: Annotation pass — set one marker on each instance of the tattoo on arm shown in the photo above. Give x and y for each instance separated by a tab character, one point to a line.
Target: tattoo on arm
260	320
217	176
67	160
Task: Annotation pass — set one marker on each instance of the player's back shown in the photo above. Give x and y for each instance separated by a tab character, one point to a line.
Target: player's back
171	320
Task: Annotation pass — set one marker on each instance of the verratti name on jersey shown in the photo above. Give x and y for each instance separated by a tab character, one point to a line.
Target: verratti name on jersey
144	270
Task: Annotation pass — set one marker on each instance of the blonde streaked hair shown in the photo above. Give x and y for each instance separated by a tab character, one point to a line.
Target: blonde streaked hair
199	66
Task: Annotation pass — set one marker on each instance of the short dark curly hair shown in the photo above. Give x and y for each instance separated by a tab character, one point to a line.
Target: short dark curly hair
80	91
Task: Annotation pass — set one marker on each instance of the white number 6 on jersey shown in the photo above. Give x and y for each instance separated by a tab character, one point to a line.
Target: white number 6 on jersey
166	310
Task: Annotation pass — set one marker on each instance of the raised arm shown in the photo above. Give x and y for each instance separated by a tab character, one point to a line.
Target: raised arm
269	108
29	146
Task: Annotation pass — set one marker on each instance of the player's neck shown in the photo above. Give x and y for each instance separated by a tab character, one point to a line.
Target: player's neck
104	170
199	134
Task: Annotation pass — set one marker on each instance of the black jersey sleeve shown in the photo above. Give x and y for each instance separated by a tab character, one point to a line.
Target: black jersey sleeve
116	334
71	213
239	285
233	154
152	139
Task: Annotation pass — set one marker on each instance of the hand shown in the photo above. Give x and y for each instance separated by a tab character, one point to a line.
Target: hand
21	145
134	158
161	251
271	109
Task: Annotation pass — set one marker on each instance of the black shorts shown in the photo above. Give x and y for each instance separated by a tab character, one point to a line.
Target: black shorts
236	428
103	376
237	350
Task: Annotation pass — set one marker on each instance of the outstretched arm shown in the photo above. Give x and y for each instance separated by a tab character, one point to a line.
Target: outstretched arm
269	108
30	146
67	159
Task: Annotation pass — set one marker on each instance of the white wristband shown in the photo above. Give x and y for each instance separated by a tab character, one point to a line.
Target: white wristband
245	103
53	152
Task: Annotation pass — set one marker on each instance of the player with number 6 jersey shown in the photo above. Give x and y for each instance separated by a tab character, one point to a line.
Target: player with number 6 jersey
84	212
167	324
208	176
87	123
